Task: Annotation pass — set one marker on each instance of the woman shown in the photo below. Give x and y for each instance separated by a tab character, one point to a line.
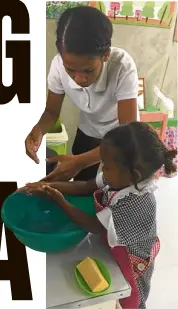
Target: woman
102	81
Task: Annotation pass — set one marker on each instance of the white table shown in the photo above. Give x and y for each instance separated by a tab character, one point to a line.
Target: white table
62	291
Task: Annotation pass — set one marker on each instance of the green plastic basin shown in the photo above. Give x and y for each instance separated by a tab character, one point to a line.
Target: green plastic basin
40	224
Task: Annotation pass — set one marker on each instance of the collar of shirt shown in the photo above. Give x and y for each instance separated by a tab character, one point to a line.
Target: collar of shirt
145	186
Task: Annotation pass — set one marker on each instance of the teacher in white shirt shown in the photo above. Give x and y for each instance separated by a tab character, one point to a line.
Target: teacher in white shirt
101	80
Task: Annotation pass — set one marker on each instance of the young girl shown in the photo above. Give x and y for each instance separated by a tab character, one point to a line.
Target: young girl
125	202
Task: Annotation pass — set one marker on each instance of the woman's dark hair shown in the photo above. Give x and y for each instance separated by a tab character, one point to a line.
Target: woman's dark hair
140	150
84	30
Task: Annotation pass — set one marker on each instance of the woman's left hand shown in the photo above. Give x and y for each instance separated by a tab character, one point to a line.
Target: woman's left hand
69	167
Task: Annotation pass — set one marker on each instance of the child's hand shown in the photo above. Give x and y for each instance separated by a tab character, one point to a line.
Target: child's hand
33	188
53	193
42	189
22	190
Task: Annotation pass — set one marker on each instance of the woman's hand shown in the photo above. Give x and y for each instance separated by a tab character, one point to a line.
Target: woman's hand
33	142
69	167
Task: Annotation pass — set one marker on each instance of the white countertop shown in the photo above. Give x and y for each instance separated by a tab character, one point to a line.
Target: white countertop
62	290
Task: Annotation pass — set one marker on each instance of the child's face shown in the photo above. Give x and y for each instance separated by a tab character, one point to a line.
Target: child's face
116	175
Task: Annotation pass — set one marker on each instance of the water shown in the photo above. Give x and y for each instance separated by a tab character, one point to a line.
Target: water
46	224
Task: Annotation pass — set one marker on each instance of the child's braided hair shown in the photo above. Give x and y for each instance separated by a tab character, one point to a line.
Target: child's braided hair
140	150
84	30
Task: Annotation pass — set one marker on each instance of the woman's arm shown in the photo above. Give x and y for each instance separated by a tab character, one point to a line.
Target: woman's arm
47	120
52	111
127	111
89	158
71	165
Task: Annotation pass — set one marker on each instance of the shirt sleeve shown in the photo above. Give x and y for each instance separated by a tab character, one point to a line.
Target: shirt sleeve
54	78
127	86
101	181
106	219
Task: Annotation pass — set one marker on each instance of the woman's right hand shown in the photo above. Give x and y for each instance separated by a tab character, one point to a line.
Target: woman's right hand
33	142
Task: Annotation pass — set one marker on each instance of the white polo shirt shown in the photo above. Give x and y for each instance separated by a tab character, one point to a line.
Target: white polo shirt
98	102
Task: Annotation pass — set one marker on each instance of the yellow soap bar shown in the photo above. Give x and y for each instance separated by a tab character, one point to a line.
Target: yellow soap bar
92	275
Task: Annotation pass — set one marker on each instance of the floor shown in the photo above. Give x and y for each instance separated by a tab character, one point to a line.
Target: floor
164	293
164	290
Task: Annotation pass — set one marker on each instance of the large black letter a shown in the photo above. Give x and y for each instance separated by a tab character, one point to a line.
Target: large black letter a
15	268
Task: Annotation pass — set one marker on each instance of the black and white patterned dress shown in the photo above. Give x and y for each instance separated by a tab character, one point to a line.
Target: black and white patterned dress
132	224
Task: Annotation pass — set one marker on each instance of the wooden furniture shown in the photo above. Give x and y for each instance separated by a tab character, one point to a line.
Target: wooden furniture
152	117
141	94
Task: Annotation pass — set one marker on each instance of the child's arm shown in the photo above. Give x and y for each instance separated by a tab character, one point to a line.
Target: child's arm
79	187
71	188
75	187
89	223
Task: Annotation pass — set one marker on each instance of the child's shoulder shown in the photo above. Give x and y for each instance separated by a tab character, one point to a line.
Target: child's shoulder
133	195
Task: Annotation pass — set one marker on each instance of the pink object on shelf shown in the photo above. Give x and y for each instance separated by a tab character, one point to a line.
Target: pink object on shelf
169	135
171	142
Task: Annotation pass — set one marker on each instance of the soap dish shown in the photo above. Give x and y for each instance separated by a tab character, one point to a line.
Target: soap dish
84	286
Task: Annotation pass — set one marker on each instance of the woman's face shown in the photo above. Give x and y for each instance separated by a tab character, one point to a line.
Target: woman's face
84	70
